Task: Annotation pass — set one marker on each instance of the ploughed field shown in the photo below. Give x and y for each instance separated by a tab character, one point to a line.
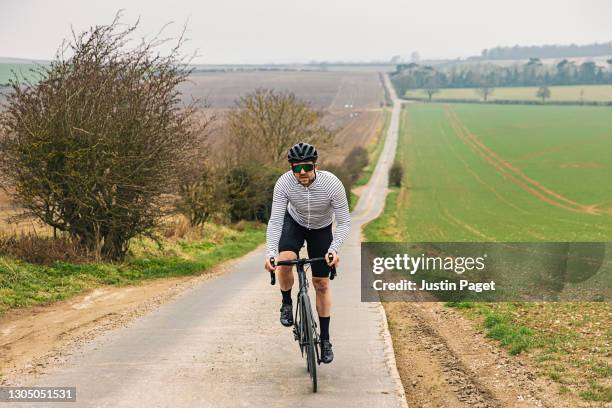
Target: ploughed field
350	102
323	89
513	173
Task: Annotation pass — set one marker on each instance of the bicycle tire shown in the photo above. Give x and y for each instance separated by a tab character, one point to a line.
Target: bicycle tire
309	340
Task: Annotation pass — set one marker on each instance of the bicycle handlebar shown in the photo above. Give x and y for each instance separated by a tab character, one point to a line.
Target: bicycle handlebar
302	261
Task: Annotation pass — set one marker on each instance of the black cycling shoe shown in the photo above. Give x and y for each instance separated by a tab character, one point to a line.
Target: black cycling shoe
286	315
327	354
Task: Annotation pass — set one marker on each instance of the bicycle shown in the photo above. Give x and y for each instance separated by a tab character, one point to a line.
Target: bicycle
304	325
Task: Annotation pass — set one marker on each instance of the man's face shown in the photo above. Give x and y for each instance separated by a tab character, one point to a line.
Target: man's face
304	172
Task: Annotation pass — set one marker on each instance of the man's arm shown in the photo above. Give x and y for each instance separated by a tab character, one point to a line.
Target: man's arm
277	216
343	216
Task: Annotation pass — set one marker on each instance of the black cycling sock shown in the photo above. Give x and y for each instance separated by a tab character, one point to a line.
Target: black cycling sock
286	296
324	323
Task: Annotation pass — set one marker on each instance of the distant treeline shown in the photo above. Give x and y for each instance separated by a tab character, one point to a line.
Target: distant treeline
532	73
548	51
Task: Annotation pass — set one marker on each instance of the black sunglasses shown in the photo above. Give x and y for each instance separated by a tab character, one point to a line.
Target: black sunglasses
297	168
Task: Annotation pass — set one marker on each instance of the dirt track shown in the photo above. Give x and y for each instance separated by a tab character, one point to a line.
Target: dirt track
444	360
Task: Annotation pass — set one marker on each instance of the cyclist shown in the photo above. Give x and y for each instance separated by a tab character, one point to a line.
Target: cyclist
303	207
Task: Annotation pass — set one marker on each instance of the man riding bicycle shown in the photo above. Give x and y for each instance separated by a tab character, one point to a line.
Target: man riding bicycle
303	207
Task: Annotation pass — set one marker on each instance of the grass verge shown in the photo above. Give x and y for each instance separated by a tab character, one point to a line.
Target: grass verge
25	284
374	151
353	201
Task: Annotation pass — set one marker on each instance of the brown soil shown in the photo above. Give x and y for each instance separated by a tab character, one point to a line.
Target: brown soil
444	360
323	90
35	338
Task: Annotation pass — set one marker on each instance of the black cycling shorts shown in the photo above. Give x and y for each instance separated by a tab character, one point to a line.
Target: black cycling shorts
317	240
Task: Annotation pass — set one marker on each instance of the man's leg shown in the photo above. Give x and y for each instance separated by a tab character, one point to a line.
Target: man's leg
285	281
285	273
318	243
291	240
324	297
324	300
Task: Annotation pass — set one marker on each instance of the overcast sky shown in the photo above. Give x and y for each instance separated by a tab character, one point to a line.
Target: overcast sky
264	31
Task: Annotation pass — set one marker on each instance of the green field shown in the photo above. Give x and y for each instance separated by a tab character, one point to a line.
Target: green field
476	172
513	173
577	93
21	69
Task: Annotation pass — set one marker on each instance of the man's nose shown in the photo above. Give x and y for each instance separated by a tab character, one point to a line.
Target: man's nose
302	171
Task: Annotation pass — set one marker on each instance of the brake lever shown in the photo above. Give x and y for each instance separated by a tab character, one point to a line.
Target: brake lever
272	274
332	273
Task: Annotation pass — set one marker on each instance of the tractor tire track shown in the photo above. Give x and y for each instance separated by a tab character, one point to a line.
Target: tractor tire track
514	174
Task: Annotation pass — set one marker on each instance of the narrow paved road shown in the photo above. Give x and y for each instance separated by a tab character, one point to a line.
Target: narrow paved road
220	344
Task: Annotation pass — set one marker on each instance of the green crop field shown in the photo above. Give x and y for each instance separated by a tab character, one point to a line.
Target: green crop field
476	172
21	69
514	173
577	93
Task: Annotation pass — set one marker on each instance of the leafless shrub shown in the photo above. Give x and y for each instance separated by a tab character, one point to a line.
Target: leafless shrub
356	160
93	147
265	124
44	250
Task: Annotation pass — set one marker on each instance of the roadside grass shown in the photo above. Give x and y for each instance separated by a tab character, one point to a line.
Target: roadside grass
385	227
353	201
374	151
24	284
448	188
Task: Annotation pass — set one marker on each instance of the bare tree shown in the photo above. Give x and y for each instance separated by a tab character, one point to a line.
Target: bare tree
485	91
543	92
431	87
93	148
265	124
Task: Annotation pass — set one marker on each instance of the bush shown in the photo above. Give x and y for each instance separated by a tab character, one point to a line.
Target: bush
93	148
248	191
201	198
356	160
266	123
396	173
345	177
43	250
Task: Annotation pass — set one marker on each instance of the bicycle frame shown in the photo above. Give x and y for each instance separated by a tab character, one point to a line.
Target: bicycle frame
304	326
303	292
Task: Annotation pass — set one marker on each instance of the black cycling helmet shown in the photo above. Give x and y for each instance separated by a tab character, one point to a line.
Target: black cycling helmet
302	152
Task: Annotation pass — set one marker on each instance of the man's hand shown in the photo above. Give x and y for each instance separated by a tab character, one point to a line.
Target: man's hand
268	265
335	261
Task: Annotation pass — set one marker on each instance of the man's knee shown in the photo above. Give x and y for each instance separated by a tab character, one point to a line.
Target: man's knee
286	256
321	285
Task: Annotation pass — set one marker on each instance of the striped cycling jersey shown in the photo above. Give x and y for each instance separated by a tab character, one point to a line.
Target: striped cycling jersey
312	207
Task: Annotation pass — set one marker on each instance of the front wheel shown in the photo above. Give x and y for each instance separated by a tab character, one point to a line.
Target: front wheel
309	341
